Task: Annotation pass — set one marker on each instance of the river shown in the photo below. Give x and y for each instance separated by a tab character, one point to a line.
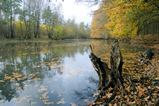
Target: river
53	73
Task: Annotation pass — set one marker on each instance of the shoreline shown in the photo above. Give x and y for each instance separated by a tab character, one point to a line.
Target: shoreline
151	42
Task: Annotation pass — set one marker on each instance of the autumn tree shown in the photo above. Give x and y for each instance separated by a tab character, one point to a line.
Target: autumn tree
126	19
100	18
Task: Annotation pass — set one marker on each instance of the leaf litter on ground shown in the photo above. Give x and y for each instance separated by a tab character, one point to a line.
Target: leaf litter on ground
144	88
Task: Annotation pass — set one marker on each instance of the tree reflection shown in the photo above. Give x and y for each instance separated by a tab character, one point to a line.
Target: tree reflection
7	88
7	91
30	63
88	91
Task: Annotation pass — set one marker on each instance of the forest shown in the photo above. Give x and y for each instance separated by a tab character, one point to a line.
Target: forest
126	19
29	19
79	72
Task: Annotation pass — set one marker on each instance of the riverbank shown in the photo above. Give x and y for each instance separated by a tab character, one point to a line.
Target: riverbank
132	40
43	39
147	43
140	81
25	40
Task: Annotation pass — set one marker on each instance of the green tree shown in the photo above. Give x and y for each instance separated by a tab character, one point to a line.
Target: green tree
58	32
82	29
87	31
10	8
47	18
52	18
73	26
37	6
27	16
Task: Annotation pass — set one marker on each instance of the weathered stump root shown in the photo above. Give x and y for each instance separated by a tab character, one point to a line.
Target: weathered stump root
109	77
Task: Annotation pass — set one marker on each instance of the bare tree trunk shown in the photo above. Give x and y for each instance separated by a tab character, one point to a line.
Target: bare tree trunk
0	14
11	27
11	23
21	28
158	33
109	77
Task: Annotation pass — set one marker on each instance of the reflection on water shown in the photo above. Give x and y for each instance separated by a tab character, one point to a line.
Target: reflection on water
54	73
40	73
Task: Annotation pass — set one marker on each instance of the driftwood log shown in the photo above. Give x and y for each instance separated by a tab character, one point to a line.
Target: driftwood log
109	77
145	59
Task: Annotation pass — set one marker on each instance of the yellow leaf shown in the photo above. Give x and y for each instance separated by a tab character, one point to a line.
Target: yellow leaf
125	97
127	88
73	104
41	97
45	100
118	93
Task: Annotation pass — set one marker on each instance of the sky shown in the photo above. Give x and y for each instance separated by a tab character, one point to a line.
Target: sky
77	11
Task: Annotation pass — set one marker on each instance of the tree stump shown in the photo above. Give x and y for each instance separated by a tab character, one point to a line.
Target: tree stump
109	77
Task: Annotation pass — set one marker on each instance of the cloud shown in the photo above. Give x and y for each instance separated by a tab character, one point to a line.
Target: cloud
79	12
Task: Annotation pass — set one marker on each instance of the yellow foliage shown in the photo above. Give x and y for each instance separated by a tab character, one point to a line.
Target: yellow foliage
43	27
98	28
124	18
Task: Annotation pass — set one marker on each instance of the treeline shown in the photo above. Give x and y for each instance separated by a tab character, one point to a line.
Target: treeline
126	19
27	19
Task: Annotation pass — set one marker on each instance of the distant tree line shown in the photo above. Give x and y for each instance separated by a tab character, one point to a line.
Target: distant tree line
27	19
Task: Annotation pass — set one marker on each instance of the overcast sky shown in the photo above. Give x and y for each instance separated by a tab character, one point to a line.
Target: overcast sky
79	12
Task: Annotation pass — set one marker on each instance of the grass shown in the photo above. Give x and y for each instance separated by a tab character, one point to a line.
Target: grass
40	38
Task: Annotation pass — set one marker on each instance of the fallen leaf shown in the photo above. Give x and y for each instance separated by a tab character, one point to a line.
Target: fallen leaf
2	101
86	100
72	104
2	81
62	92
30	99
95	94
146	99
18	91
49	103
91	103
118	93
127	88
125	97
45	100
32	103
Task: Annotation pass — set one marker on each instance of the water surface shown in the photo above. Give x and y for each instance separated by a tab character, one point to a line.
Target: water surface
40	73
57	72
